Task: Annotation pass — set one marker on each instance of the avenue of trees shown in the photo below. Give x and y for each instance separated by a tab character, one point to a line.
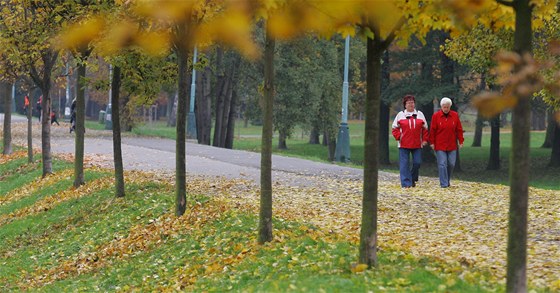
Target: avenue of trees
280	62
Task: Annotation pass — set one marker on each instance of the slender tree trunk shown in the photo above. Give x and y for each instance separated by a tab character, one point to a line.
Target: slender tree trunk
314	135
231	121
555	152
7	136
282	141
427	153
46	131
30	132
171	109
116	118
80	126
204	107
222	84
477	140
479	124
550	128
494	159
180	145
265	215
331	144
368	234
225	112
384	112
519	163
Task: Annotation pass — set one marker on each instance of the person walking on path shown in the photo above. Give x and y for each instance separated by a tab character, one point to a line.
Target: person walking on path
410	129
39	107
53	118
25	104
445	131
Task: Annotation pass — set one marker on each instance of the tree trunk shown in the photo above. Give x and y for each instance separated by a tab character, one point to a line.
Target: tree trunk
172	109
116	118
519	163
282	141
230	131
384	112
30	132
331	144
550	128
479	124
368	233
225	112
477	140
494	159
204	107
7	136
314	135
555	153
222	84
180	145
265	215
80	126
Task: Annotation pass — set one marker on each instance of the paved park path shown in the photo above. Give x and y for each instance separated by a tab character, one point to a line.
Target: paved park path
158	155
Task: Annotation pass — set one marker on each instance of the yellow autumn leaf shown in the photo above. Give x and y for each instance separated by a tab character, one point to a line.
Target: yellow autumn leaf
489	104
80	34
358	268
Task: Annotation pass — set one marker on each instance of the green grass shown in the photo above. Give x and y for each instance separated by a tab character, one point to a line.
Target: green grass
474	160
213	249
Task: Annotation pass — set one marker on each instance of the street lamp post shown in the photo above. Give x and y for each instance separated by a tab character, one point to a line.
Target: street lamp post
191	118
342	153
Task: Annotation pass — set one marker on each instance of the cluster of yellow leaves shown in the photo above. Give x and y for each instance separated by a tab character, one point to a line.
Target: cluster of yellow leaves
13	156
465	226
49	202
38	184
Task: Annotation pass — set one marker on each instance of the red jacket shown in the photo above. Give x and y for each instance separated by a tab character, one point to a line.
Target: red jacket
445	131
410	129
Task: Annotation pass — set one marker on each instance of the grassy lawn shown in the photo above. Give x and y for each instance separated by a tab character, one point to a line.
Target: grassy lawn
473	159
86	240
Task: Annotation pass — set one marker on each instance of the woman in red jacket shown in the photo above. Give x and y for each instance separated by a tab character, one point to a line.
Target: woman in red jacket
410	129
445	131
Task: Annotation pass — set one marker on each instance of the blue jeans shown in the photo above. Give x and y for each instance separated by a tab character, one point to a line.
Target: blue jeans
408	175
446	163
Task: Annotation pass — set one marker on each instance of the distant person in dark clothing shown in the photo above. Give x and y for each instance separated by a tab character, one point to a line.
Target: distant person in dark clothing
73	116
39	107
53	118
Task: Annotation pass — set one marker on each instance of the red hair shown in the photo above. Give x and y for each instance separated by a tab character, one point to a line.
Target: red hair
408	98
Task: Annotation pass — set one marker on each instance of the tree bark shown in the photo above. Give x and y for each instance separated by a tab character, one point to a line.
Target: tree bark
477	139
171	109
550	128
231	121
384	112
30	131
314	135
479	124
368	234
80	126
555	152
494	159
203	107
265	215
7	135
519	163
282	141
180	145
116	118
